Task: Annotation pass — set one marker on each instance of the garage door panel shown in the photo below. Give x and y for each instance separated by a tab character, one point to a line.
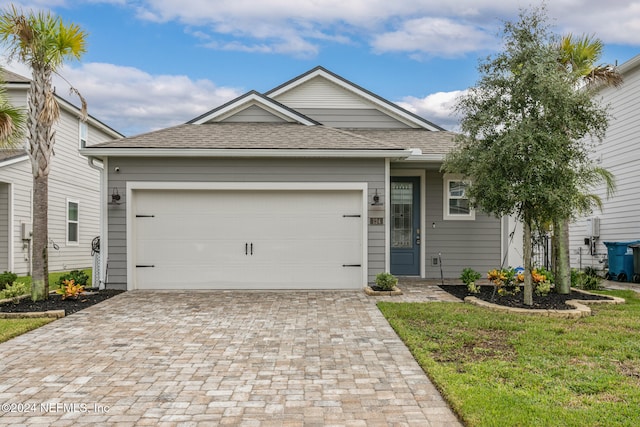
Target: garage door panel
197	239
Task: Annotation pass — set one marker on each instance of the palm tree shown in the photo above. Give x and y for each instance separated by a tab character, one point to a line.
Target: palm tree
579	56
43	42
12	121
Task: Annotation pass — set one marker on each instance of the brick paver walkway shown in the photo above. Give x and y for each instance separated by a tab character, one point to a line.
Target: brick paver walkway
230	358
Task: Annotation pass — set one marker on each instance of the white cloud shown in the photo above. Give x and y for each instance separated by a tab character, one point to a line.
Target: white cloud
437	107
427	26
133	101
434	36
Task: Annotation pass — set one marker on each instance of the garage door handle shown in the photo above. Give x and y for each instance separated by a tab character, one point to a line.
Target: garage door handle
144	266
352	265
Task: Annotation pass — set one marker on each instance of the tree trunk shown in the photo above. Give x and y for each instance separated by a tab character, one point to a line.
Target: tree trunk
526	250
40	260
42	115
562	259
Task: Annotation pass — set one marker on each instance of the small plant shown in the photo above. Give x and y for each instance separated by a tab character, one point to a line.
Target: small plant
505	280
541	278
14	290
543	288
7	278
588	281
70	289
469	277
386	281
79	277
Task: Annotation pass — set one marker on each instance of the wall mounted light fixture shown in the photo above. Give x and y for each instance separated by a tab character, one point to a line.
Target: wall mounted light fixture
115	197
376	199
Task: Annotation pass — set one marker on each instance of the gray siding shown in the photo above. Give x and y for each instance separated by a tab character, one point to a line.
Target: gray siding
363	118
254	114
70	178
474	244
234	170
619	154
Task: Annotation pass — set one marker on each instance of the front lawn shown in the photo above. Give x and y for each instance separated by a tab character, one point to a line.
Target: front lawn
498	369
10	328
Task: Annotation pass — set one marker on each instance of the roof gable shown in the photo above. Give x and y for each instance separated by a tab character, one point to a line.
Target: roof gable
253	100
319	87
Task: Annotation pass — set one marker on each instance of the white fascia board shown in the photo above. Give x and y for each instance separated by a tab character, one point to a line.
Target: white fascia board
199	152
629	65
14	160
254	99
426	158
352	89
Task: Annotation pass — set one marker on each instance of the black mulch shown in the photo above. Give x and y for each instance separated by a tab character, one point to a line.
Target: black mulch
55	302
552	301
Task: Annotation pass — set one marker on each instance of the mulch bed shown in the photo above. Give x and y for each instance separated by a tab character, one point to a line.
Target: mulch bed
55	302
552	301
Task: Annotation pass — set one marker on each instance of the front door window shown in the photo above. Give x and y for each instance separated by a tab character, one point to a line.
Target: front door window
402	214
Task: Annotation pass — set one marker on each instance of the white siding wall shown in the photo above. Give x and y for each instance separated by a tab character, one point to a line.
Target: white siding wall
619	153
71	177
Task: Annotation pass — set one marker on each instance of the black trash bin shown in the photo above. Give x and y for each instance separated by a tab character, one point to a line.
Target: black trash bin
636	262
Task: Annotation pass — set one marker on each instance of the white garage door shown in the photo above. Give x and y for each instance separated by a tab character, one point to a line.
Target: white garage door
288	239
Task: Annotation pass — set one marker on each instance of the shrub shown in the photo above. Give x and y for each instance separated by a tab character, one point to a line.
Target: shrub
469	277
543	288
15	290
505	280
70	289
584	280
386	281
7	278
79	277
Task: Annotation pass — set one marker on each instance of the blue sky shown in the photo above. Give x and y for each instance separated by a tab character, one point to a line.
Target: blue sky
156	63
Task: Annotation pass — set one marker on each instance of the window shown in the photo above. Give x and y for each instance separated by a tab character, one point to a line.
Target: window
83	132
456	202
73	224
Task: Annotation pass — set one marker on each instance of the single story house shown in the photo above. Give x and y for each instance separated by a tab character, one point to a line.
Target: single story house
315	184
74	190
618	221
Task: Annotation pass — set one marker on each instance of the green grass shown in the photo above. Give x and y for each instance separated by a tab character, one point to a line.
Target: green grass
10	328
53	278
498	369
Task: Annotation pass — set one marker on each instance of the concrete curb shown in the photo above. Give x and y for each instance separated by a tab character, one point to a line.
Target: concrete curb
580	310
396	291
56	314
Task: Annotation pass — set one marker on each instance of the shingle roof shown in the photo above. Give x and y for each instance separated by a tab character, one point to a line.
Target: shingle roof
428	142
252	136
11	77
10	153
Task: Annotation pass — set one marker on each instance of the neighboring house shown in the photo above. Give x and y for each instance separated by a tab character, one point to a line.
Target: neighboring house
74	191
619	220
315	184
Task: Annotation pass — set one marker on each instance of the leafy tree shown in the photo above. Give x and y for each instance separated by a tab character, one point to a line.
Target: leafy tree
522	128
43	42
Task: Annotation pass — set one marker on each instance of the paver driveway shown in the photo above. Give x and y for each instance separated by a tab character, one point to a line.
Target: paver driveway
207	358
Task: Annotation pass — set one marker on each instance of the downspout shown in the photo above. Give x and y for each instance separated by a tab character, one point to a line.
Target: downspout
99	166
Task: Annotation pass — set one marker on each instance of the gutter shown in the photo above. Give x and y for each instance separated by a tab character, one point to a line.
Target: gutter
101	152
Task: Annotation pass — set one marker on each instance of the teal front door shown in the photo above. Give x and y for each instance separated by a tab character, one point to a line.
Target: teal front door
405	226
